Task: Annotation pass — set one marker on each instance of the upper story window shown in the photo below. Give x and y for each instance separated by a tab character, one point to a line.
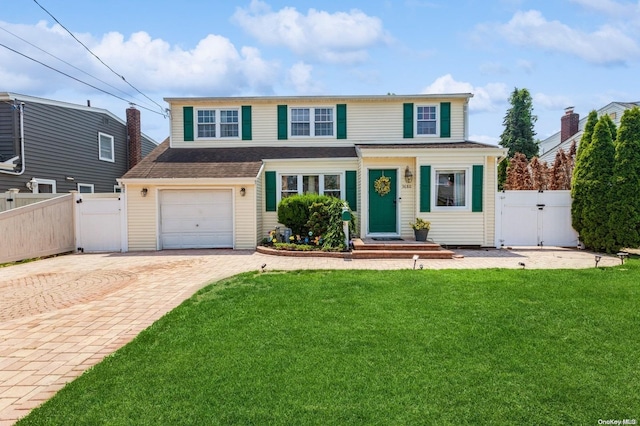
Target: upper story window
106	147
85	188
312	122
426	120
218	123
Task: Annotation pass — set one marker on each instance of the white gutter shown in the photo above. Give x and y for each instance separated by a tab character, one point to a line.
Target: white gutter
23	161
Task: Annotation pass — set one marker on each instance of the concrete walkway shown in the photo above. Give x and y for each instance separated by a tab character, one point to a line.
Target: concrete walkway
62	315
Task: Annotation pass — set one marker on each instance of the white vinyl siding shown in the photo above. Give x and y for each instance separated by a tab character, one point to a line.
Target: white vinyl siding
141	219
367	122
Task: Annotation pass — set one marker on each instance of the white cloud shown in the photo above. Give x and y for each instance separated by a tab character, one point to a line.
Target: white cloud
526	66
607	45
486	98
341	37
550	102
301	78
213	67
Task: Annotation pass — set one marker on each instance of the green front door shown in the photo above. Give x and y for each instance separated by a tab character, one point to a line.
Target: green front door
382	201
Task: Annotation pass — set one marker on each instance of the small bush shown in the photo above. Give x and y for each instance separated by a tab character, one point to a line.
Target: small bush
294	212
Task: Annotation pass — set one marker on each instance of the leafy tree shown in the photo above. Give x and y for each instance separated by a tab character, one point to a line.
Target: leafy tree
518	125
502	173
561	171
594	188
577	205
625	207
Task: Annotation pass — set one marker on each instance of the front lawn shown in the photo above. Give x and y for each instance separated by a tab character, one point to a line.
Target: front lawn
378	347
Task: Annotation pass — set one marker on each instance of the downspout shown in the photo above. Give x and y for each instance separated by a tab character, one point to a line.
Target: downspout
22	160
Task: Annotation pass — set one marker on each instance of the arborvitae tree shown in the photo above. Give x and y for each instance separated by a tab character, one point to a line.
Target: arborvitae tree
594	186
518	176
560	173
625	206
539	172
518	125
577	198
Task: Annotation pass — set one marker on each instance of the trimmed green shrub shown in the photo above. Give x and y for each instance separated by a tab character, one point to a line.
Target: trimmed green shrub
579	171
594	187
326	221
624	219
294	212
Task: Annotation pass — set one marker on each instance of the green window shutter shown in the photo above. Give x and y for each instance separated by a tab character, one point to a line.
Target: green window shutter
351	193
407	120
270	189
476	188
187	113
246	122
425	188
341	113
282	122
445	119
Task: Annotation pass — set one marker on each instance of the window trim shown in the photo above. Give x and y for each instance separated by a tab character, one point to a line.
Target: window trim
300	175
86	185
217	123
467	188
416	121
111	159
312	121
38	181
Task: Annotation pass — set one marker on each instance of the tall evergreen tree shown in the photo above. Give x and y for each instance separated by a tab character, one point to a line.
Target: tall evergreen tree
594	185
577	205
625	215
518	125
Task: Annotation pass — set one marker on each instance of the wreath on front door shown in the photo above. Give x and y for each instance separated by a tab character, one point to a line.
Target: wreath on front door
382	185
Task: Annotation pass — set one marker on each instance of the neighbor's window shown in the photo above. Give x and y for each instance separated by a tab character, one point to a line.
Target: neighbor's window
105	147
312	122
426	120
311	184
451	188
85	188
218	123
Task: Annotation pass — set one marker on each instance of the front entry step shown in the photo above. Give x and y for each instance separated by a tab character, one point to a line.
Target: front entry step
402	249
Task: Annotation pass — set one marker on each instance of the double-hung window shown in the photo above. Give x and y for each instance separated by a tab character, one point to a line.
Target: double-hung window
106	148
426	120
325	184
312	122
451	188
218	123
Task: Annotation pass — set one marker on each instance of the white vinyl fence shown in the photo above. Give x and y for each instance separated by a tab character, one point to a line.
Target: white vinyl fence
70	222
532	218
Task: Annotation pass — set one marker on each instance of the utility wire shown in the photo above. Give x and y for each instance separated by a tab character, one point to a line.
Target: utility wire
80	81
63	61
96	56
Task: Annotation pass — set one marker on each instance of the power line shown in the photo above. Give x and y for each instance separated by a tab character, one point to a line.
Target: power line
96	56
63	61
80	81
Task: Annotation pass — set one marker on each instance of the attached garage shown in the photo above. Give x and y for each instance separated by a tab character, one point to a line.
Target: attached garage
196	219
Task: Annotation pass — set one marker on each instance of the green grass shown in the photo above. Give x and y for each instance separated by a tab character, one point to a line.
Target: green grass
371	347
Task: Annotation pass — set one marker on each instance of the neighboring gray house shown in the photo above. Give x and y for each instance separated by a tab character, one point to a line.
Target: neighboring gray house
49	146
571	127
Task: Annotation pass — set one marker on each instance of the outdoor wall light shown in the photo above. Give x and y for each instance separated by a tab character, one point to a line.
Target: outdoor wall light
243	191
408	176
144	192
69	178
33	183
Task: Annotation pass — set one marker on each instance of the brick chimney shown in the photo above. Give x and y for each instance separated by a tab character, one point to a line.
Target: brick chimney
568	124
134	136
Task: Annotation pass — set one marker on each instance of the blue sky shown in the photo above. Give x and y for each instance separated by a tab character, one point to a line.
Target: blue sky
582	53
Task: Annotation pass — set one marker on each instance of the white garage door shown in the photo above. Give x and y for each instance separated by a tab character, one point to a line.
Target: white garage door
196	219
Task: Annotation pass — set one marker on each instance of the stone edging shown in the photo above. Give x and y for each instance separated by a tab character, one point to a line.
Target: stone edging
311	253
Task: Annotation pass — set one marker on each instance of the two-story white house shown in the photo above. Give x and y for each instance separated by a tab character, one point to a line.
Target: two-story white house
218	179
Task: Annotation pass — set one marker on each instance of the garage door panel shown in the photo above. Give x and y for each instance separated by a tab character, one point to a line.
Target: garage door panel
196	219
